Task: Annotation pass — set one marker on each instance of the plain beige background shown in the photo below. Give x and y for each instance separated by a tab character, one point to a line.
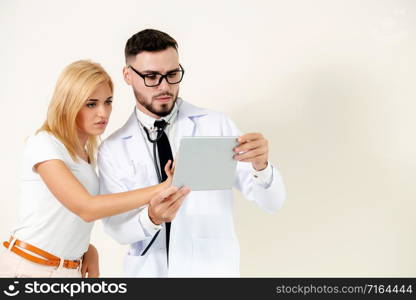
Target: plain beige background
330	83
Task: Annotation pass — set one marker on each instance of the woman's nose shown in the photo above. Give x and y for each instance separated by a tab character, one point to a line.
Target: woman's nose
103	111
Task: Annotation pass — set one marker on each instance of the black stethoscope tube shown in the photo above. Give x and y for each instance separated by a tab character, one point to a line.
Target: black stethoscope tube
158	171
154	142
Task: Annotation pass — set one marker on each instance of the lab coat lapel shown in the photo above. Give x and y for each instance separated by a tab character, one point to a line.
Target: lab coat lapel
133	142
188	119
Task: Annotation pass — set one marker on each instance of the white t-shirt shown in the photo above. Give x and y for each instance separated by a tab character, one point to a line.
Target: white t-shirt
43	221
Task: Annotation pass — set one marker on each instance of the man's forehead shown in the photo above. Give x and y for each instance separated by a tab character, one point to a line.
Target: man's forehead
160	61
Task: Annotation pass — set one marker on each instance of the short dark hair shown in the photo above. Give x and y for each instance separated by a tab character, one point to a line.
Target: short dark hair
151	40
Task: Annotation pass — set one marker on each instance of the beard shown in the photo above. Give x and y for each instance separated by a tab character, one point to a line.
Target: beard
161	110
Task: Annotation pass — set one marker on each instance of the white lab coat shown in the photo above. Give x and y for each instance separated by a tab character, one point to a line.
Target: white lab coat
203	242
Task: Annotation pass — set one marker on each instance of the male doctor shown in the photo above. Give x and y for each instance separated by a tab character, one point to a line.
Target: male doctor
194	238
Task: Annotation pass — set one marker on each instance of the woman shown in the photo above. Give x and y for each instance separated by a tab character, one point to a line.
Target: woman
59	188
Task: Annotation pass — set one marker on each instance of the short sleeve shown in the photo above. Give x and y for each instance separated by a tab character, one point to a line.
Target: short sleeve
42	147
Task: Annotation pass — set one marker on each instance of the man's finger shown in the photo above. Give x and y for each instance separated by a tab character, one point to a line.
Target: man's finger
250	154
180	193
164	194
173	167
248	146
249	137
168	167
252	159
173	209
168	164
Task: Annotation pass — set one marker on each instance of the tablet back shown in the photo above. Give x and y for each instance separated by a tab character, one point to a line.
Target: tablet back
206	163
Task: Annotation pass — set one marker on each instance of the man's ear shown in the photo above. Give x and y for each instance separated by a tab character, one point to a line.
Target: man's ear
127	75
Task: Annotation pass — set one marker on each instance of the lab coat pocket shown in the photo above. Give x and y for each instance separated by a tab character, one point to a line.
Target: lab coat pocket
216	257
137	176
134	264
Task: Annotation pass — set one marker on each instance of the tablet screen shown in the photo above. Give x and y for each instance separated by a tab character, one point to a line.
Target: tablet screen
206	163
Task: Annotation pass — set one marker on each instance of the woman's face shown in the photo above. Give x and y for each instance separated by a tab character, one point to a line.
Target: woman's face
93	117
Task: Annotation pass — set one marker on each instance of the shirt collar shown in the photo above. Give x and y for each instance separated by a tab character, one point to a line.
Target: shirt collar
148	121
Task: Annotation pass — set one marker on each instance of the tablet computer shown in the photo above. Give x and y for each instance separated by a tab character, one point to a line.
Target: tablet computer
206	163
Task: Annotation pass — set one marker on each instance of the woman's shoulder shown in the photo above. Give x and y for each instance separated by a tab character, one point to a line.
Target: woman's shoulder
43	139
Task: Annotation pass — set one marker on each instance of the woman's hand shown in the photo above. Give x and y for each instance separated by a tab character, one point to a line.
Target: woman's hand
90	263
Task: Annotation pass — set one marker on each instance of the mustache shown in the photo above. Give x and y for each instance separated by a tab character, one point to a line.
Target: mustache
163	94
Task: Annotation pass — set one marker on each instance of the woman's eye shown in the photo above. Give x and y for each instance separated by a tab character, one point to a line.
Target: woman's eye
90	105
109	102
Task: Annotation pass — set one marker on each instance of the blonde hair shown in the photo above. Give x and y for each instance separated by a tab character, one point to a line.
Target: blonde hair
75	84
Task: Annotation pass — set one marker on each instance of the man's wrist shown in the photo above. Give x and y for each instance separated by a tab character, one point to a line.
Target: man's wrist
260	166
154	221
150	227
265	176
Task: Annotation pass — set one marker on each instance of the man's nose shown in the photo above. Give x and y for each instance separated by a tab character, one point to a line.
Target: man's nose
164	84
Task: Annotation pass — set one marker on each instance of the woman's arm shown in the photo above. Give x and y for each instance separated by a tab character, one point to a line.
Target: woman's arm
72	194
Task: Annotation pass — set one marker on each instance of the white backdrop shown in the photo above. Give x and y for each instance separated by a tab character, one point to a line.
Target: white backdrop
330	83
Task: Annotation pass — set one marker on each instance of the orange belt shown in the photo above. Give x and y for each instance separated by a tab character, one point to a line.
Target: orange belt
51	260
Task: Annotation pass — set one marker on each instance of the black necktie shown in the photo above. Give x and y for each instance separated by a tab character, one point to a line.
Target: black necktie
165	154
163	147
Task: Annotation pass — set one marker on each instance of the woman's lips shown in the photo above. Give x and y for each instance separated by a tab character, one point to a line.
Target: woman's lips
101	124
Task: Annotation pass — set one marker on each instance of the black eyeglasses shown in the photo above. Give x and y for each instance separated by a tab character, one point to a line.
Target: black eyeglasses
154	79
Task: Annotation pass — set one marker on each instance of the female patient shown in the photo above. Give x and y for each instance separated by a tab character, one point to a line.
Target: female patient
59	185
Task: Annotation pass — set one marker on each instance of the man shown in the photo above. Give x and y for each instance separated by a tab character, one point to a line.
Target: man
195	237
